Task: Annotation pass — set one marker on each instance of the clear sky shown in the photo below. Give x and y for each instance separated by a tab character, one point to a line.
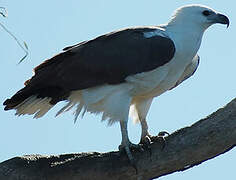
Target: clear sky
48	26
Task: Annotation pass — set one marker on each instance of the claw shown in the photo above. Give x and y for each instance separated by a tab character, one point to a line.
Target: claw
161	136
146	143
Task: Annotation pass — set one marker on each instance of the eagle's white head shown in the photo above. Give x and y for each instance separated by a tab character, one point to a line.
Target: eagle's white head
197	16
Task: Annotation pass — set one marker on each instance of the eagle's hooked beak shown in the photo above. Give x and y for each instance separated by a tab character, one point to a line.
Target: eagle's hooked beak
219	18
223	19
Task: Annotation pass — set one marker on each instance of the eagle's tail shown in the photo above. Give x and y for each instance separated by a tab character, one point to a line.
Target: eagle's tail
30	101
31	105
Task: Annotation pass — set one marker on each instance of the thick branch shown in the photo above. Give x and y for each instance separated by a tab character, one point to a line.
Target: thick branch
185	148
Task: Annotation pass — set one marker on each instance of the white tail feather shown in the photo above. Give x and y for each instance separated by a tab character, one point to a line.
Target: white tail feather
34	105
77	111
45	106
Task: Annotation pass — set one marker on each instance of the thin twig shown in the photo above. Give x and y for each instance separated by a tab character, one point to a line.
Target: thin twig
4	14
25	47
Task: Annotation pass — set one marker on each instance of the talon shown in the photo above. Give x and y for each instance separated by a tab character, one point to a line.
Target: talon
146	140
146	143
135	147
161	136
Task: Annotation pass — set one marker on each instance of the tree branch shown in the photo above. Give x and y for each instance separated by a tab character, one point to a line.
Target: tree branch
184	149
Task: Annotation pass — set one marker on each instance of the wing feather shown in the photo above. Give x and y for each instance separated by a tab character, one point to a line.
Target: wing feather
107	59
189	71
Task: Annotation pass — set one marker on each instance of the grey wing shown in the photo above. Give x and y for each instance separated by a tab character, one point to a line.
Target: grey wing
189	71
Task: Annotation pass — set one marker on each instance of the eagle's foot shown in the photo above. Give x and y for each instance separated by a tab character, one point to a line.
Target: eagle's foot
131	146
161	137
146	142
128	149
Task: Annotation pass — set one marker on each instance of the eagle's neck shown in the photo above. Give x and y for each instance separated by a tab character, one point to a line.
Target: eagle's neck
187	39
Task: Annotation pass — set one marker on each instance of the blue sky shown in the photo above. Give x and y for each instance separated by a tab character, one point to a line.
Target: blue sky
48	26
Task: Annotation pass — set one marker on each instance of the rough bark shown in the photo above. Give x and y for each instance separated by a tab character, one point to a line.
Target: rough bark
185	148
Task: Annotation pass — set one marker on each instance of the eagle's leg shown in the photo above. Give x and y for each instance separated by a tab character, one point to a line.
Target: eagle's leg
145	136
125	142
126	145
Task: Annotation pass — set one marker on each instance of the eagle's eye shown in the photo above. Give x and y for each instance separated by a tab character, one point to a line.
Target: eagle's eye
206	13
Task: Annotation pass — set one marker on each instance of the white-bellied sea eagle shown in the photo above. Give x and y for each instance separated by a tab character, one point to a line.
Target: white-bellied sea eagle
118	74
